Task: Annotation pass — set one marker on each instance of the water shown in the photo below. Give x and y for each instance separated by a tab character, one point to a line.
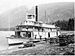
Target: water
3	39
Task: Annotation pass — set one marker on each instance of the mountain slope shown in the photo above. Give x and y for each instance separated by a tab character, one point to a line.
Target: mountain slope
56	11
13	17
47	13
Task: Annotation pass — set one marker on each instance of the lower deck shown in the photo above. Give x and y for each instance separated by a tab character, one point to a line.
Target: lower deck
36	34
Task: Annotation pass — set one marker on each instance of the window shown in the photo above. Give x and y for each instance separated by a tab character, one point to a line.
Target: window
29	16
54	30
25	34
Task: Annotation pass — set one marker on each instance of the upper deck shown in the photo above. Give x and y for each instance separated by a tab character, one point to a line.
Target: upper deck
30	24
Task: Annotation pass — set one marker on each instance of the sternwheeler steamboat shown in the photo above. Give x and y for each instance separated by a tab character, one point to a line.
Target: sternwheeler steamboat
31	28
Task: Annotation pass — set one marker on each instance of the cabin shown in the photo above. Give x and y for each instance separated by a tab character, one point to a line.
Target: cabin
31	28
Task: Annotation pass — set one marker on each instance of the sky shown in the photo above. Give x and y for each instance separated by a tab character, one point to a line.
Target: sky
6	5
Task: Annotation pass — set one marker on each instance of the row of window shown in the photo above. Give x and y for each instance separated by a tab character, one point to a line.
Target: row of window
37	29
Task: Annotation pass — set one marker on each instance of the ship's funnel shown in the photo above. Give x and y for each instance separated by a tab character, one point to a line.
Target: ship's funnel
36	12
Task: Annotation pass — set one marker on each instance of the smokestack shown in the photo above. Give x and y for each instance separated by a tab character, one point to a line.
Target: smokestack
36	13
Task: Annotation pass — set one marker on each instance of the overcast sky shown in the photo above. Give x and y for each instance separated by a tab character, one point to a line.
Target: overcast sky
6	5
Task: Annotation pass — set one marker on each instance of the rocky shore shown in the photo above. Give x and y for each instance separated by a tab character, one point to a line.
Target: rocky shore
42	49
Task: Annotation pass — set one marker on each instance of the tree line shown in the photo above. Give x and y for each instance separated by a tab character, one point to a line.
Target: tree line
65	25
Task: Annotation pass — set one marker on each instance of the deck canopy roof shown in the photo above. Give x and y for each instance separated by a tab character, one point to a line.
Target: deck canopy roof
36	24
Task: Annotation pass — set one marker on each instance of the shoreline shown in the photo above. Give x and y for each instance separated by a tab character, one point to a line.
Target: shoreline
10	50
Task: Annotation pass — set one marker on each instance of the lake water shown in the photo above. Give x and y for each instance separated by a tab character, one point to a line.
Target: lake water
3	39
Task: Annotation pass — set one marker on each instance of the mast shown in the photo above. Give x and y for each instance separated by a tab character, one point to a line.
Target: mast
45	14
9	23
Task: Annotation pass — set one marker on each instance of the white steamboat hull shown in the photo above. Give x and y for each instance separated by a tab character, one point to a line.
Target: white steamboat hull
16	41
13	41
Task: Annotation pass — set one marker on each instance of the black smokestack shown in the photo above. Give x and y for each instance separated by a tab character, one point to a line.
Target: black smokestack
36	13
